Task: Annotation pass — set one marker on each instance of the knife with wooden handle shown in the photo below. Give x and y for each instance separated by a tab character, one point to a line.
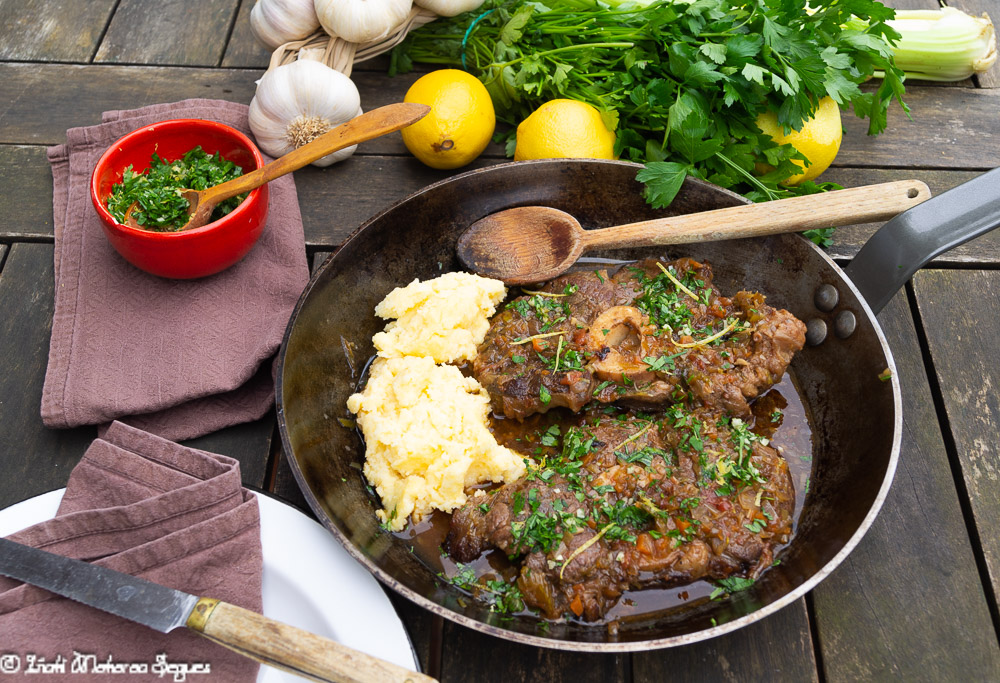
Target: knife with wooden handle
164	609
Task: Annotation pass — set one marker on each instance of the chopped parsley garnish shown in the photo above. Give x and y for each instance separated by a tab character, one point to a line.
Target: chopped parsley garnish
161	207
726	471
602	386
543	395
661	299
551	436
662	363
643	456
550	309
732	584
502	597
390	518
538	532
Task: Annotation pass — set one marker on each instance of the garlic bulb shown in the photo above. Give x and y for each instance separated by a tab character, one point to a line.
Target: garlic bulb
298	102
276	22
448	8
361	21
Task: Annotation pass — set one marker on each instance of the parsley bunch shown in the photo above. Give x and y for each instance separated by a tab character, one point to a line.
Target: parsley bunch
680	82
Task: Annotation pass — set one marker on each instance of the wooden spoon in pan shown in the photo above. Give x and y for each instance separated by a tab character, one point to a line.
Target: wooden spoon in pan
369	125
536	243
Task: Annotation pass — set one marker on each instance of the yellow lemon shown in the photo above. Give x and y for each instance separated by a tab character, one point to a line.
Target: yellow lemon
564	129
818	139
460	123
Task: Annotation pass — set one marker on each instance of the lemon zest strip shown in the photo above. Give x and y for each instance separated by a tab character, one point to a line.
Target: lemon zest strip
537	336
590	541
706	340
538	293
678	283
634	436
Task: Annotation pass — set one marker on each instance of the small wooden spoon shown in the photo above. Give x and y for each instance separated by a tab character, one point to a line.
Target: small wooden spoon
369	125
536	243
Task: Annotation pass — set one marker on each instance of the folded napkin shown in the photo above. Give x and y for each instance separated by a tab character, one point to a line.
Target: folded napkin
179	358
151	508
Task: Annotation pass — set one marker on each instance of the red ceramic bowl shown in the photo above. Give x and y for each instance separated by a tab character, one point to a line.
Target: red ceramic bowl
190	253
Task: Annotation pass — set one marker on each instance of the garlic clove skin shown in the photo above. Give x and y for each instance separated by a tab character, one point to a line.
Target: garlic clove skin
361	21
298	102
448	8
276	22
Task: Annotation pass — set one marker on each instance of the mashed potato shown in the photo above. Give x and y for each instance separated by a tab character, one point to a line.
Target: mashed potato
445	318
425	424
427	437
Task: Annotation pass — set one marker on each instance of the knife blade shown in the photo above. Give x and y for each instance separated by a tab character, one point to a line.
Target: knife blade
165	609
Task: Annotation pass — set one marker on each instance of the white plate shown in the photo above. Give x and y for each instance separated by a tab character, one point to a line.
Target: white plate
329	593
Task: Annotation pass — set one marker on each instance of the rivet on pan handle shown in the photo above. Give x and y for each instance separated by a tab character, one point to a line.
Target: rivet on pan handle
904	244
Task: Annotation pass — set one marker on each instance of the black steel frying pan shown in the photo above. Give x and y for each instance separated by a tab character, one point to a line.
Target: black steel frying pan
856	416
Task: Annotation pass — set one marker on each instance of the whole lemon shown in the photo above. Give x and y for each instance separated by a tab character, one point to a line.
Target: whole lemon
818	139
564	129
460	123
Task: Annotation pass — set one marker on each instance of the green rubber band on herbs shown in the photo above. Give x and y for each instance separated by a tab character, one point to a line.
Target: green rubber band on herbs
468	33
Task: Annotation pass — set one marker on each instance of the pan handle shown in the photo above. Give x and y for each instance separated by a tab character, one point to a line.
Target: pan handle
900	247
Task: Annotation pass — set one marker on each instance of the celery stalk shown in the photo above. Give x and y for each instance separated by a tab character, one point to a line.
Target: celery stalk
942	45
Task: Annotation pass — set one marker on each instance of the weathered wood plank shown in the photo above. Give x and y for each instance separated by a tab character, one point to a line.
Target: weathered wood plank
959	313
37	459
33	459
244	50
44	100
27	181
250	443
907	604
955	128
952	128
168	32
848	240
747	655
284	485
424	629
990	79
473	656
36	30
41	101
333	205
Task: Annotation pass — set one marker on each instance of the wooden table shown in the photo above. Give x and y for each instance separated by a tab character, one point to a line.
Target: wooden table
917	600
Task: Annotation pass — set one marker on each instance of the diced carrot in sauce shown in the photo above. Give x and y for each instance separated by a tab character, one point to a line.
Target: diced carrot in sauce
576	605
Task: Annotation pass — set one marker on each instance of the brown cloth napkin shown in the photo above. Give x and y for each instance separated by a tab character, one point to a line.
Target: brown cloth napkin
179	358
151	508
